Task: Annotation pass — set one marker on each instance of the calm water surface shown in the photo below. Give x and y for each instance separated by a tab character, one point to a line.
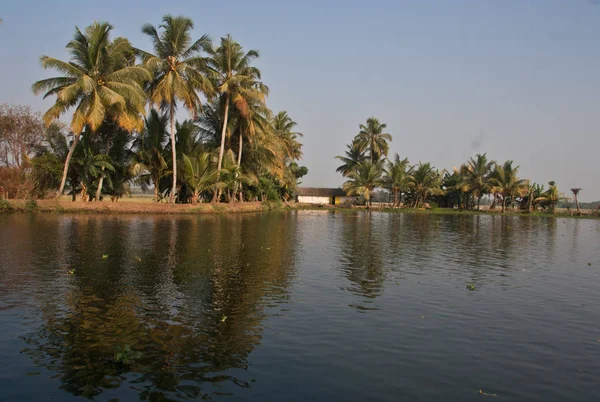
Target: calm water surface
300	306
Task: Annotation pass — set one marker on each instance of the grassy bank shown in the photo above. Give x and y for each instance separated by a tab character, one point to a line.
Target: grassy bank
132	206
445	211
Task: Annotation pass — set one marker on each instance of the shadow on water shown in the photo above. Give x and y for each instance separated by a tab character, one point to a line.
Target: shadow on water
173	310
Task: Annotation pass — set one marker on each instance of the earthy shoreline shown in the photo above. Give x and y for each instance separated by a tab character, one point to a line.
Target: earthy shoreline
141	207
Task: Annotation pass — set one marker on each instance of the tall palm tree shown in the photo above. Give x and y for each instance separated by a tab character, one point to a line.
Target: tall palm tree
178	67
283	128
506	182
575	192
425	181
372	137
237	82
364	179
99	82
149	158
477	175
396	178
354	155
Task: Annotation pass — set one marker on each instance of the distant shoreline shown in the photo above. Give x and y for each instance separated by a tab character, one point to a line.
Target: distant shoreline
136	206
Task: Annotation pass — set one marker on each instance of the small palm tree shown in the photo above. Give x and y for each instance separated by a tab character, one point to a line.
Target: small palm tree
88	166
506	182
372	137
425	181
178	68
397	177
99	81
364	179
477	175
550	198
354	155
200	173
149	160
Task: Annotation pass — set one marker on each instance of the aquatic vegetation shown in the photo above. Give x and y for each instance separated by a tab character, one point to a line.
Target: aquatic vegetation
71	272
486	394
138	258
470	286
223	319
104	256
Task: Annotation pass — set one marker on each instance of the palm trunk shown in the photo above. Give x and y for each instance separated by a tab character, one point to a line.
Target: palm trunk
239	164
83	192
503	203
100	184
174	154
66	168
478	202
577	204
222	149
155	191
530	206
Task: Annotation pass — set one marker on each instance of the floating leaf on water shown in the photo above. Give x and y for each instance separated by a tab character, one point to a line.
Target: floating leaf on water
104	256
397	283
224	318
422	316
71	272
124	355
486	394
138	259
470	286
589	264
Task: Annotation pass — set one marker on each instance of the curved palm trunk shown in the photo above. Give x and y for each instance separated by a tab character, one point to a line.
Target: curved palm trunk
66	168
155	190
222	149
174	154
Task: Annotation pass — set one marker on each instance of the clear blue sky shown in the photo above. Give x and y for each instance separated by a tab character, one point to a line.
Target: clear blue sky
516	79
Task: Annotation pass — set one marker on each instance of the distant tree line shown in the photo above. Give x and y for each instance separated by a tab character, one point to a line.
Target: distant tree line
367	168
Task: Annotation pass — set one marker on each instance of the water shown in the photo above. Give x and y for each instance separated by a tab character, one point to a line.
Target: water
301	306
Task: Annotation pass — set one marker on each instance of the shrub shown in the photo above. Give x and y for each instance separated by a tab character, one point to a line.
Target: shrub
31	206
5	206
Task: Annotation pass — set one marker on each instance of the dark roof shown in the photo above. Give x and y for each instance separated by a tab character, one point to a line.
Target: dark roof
320	192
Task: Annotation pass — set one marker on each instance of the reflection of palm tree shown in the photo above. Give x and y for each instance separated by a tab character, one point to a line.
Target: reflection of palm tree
167	306
362	261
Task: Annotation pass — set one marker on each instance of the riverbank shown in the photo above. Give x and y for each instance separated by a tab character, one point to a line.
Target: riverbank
132	207
146	206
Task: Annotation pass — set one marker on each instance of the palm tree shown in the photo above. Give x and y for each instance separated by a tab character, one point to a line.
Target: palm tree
88	166
575	192
283	128
99	82
505	182
237	82
364	179
397	177
425	181
354	155
372	137
149	161
550	197
476	177
178	69
199	173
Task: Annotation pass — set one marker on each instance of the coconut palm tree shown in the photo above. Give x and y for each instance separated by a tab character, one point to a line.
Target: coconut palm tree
575	192
200	173
364	179
396	178
424	181
178	67
506	182
372	137
237	82
354	155
149	159
550	198
477	175
89	165
99	82
283	128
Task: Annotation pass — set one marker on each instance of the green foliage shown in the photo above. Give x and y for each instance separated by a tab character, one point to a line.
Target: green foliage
372	138
364	179
31	206
470	287
5	206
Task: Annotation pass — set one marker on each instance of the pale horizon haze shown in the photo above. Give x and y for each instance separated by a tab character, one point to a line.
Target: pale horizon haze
516	79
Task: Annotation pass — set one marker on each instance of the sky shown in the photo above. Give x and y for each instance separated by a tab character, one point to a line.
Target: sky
516	79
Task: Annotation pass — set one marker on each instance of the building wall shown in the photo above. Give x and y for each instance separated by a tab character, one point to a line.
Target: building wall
313	200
